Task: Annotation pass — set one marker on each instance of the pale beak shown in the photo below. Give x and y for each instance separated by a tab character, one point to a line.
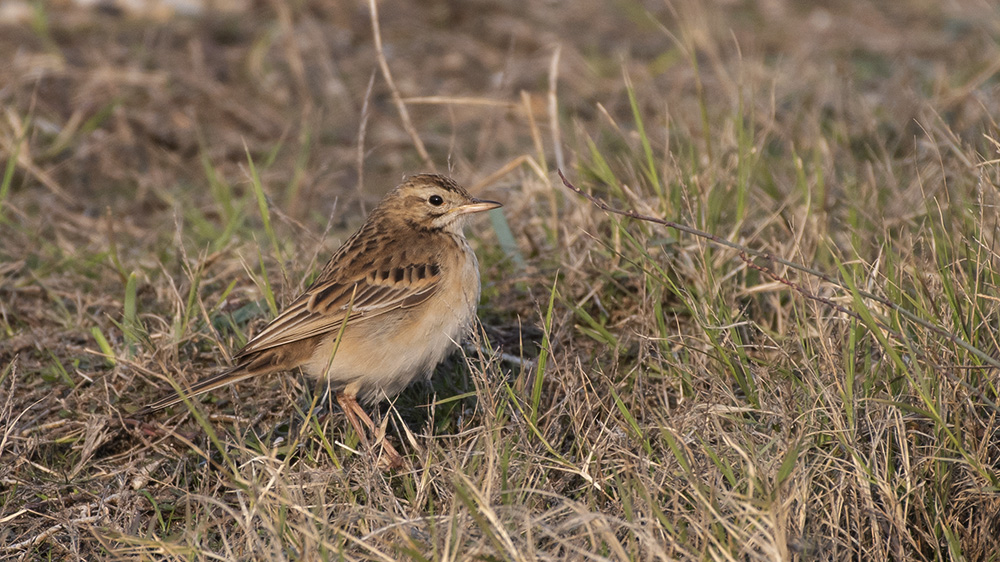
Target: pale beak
476	206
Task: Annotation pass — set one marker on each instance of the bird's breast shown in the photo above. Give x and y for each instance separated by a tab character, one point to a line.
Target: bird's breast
382	355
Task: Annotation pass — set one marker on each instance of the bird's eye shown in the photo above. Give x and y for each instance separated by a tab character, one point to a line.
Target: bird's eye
435	200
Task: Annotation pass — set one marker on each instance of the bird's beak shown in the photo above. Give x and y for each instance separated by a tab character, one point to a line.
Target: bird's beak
476	206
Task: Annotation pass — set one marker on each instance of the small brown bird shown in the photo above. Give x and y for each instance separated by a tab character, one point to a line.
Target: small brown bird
391	303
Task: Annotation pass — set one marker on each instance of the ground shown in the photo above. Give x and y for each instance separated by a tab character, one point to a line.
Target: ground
805	369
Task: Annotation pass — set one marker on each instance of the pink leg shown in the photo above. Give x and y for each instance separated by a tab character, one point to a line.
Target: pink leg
357	416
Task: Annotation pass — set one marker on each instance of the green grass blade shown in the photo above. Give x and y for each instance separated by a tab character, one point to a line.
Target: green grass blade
262	205
272	303
8	173
102	342
505	237
630	420
651	174
536	388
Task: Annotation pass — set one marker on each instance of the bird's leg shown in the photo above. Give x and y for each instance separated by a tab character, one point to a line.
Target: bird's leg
351	408
356	416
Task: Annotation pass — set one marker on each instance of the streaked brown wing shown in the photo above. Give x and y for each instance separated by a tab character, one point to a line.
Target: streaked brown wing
323	307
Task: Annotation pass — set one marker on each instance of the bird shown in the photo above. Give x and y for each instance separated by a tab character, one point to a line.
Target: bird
392	303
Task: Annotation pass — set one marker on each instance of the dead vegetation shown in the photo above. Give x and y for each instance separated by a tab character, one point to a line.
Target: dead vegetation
633	393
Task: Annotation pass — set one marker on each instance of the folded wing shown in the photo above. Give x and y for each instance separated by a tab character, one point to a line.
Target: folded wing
325	306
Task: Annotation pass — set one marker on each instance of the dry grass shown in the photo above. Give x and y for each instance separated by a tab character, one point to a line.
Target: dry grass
633	393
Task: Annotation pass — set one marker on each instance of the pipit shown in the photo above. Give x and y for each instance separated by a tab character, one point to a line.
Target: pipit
391	303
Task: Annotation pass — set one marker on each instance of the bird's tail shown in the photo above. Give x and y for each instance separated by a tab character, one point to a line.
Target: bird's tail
225	378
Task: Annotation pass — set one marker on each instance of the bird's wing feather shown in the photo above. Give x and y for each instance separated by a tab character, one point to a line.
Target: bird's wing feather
324	306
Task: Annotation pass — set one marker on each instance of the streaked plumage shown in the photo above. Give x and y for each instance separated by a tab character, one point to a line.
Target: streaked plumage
407	284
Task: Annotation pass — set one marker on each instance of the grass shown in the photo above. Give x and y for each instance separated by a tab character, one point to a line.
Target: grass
635	392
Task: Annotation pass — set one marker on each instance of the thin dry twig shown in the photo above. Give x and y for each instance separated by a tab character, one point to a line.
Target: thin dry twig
362	131
404	115
744	251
